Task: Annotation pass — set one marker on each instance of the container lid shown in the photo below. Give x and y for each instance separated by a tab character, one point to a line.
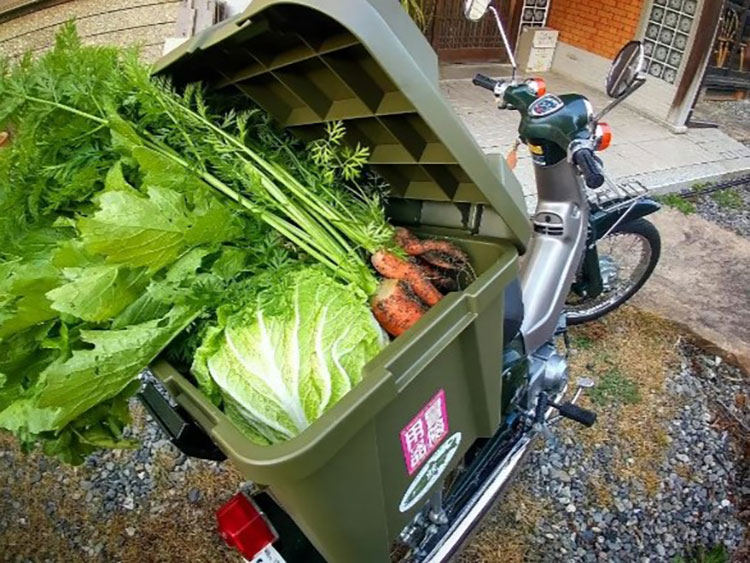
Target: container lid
365	63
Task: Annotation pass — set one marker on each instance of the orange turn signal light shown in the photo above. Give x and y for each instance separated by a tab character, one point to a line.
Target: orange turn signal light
603	136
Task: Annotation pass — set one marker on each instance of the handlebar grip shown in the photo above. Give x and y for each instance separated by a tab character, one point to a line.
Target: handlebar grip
485	82
589	167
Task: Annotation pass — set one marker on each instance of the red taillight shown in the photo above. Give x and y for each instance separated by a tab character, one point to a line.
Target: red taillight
603	136
538	86
244	527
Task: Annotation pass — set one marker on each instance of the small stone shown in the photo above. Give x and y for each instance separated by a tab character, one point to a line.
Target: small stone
129	503
194	495
560	475
660	550
130	531
570	508
588	536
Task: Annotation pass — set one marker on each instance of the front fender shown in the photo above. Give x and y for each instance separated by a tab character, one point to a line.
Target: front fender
602	221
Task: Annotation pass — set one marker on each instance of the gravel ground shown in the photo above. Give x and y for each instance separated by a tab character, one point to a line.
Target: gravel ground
732	212
693	505
732	116
728	208
653	479
148	504
592	497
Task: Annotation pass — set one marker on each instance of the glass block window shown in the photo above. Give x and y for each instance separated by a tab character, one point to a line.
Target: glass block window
534	14
666	37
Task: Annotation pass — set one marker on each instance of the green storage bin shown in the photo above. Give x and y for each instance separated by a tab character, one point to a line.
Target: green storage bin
358	475
344	479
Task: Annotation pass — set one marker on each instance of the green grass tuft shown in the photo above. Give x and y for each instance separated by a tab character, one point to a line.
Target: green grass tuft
679	203
615	388
729	199
580	342
716	554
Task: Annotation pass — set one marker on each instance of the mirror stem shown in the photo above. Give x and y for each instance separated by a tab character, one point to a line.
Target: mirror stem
505	40
637	84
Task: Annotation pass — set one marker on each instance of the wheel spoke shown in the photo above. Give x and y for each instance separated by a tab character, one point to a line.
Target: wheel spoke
629	254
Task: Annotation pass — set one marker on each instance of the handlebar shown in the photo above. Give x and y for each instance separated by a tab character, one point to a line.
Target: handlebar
589	167
486	82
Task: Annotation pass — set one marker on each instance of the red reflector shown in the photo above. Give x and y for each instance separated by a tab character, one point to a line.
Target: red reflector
244	527
538	85
603	136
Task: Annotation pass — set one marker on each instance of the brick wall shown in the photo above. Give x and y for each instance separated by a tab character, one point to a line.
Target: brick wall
598	26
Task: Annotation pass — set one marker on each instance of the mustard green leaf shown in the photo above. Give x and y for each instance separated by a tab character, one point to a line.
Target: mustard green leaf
114	360
97	293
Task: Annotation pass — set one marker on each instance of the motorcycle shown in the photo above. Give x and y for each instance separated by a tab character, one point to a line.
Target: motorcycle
591	250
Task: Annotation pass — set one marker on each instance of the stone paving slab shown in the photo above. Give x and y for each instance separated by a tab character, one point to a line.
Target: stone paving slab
702	283
642	150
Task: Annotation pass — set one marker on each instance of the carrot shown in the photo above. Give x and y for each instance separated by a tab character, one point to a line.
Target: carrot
439	277
453	257
391	266
396	307
411	244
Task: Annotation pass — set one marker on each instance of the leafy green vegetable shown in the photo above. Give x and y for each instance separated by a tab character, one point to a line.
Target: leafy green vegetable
96	293
289	356
135	221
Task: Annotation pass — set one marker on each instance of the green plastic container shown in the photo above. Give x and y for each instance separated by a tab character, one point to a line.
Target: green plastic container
357	475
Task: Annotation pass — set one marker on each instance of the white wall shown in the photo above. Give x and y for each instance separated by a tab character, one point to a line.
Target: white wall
234	7
654	99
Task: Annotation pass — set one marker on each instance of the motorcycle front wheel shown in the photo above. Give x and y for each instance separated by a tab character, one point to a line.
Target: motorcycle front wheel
627	258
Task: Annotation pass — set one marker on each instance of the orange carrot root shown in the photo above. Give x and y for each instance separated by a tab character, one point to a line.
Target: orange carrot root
411	244
453	257
440	278
396	307
391	266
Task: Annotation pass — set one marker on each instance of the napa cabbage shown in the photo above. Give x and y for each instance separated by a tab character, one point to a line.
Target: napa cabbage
286	358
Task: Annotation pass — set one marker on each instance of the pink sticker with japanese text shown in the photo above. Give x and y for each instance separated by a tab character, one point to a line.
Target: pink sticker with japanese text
422	435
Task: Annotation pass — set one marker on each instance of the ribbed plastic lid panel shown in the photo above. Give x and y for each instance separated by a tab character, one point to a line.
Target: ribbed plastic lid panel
365	63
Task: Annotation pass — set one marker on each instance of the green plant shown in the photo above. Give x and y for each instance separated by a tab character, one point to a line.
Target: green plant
129	214
580	342
679	203
716	554
417	12
613	387
729	199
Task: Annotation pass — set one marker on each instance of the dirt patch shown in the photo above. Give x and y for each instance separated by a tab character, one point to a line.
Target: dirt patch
630	356
54	512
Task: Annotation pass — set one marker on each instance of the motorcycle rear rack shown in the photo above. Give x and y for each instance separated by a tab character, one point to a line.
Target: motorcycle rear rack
611	196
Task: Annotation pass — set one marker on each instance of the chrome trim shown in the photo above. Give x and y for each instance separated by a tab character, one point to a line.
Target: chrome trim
480	504
484	499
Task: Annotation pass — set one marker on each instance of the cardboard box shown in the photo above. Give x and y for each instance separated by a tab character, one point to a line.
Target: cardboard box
536	49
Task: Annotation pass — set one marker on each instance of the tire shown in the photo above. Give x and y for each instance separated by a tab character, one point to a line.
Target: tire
643	230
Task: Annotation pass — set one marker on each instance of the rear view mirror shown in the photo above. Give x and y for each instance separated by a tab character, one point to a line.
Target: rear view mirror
475	9
626	70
